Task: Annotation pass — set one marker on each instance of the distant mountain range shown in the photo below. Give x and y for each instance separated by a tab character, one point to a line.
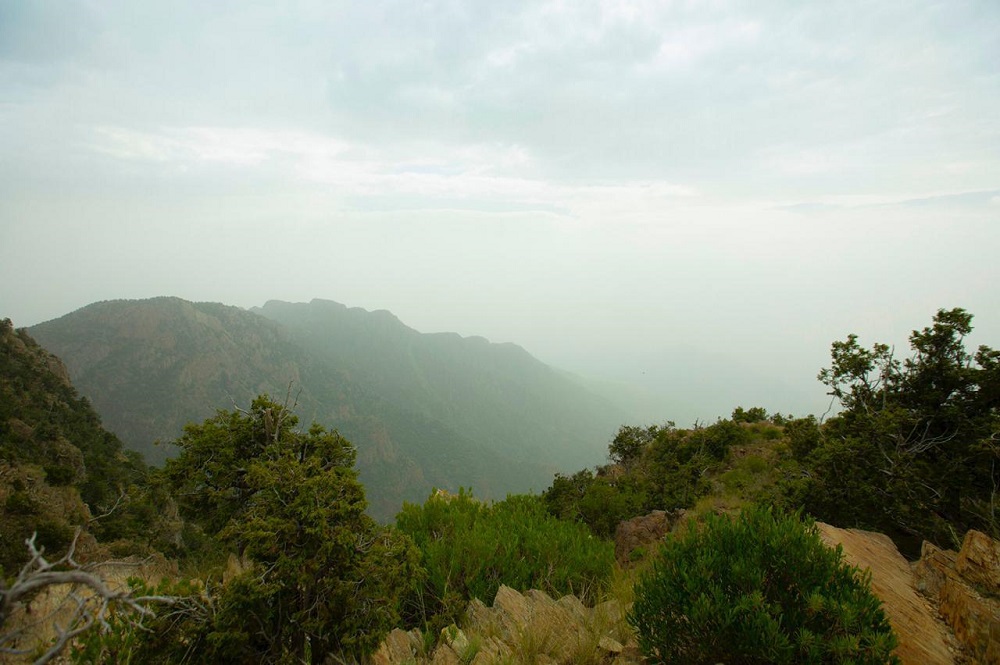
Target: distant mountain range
423	410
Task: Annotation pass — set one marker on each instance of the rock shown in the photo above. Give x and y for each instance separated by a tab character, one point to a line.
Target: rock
445	655
978	562
514	609
957	584
923	640
610	612
492	651
610	645
478	615
575	607
397	648
933	569
454	637
975	620
530	625
640	532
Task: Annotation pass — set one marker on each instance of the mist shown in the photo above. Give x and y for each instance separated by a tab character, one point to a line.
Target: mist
694	199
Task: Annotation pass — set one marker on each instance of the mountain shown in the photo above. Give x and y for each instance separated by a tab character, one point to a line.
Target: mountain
496	394
423	411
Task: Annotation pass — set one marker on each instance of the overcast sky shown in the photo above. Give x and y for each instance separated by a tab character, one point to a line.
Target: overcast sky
612	185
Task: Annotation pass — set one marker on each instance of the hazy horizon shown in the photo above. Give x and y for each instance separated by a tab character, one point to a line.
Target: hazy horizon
696	197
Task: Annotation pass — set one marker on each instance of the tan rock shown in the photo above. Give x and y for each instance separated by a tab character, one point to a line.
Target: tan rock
609	612
513	608
492	651
454	637
610	645
975	620
575	607
445	655
395	649
978	562
956	583
923	640
477	615
933	569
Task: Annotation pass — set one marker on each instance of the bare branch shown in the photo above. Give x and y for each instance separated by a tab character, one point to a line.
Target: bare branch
121	497
90	608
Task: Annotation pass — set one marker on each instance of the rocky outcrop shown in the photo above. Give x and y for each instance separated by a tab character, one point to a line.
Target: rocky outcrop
966	587
527	627
923	639
640	532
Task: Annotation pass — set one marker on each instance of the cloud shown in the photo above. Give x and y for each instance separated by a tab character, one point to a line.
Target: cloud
480	177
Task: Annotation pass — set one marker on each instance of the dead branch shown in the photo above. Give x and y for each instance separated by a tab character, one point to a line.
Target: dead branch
89	608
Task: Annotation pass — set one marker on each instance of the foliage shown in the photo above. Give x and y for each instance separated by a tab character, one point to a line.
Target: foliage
665	468
470	548
56	455
322	577
914	451
754	414
629	443
760	588
600	502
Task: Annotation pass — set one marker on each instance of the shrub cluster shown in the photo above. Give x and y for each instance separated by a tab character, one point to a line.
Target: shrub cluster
469	548
760	588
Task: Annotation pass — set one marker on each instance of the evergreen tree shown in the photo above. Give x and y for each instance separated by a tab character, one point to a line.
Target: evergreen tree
324	578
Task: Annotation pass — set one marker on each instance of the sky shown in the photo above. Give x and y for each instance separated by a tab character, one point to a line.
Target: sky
696	196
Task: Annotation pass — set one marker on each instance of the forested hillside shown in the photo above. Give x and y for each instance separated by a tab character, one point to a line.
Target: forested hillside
59	469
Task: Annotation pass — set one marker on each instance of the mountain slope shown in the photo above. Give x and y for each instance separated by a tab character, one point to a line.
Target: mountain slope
495	394
151	366
58	466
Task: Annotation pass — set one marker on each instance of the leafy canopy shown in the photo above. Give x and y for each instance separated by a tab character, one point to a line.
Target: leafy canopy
916	449
320	577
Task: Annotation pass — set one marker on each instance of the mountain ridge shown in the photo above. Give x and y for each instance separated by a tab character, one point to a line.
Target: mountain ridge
150	366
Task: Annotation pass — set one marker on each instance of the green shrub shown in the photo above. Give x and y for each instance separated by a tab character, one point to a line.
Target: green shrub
22	503
759	588
469	548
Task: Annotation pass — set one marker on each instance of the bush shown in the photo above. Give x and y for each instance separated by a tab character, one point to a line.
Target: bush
470	548
759	588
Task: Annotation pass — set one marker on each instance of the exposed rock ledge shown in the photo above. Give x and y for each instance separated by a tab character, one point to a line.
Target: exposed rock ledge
528	627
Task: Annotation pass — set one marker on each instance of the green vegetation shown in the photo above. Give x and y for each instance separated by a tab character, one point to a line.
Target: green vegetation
470	548
281	562
757	589
664	468
914	452
60	468
319	576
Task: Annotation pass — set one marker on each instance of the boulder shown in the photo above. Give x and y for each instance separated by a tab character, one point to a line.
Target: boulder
642	531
